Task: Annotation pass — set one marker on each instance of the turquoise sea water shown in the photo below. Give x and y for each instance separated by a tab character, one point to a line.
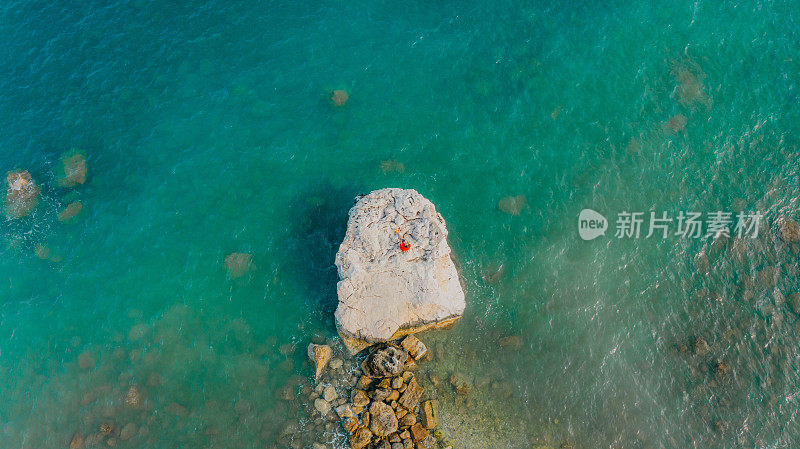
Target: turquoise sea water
207	130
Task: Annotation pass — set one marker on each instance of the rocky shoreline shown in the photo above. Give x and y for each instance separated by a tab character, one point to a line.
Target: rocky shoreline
379	402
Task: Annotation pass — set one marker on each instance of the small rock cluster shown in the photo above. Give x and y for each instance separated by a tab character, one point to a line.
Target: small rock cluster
108	433
385	408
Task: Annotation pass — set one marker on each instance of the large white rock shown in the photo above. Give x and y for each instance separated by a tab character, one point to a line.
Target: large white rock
384	292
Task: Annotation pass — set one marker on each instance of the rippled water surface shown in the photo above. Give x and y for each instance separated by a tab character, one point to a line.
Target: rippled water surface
207	130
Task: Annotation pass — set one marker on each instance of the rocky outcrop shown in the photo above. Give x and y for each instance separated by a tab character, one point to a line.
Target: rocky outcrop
320	356
385	362
395	269
22	194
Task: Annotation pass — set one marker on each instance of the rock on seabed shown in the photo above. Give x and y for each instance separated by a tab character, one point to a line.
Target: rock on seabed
385	292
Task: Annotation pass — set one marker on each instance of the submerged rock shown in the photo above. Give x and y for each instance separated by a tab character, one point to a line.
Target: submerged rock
329	393
77	441
512	205
395	269
72	170
676	123
238	264
133	398
322	406
789	230
128	431
41	251
512	342
392	167
339	97
22	194
794	302
72	209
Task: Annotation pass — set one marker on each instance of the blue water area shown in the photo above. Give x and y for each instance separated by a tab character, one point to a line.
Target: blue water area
208	129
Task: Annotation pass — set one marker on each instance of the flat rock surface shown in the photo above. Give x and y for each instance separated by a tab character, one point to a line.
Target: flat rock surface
385	292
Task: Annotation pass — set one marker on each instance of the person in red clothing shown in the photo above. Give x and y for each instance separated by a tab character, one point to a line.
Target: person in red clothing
404	246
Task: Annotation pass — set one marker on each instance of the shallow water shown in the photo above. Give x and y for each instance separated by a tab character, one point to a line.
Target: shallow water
208	131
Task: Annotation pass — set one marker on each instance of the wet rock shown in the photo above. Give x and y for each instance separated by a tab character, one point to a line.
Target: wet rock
111	442
512	205
320	356
361	438
322	406
329	393
364	382
133	398
22	194
69	212
429	412
77	441
418	433
386	361
407	420
414	346
339	97
350	424
382	419
72	170
359	398
386	292
397	383
344	411
380	394
789	230
382	444
412	394
512	342
128	431
238	264
336	363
